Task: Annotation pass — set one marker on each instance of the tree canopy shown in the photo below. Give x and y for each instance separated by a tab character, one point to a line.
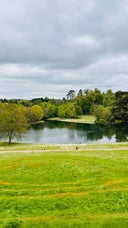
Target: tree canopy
13	121
120	108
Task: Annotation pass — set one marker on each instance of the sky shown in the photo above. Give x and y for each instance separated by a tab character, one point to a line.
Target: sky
48	47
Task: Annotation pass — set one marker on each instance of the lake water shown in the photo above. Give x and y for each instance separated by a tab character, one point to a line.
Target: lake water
54	132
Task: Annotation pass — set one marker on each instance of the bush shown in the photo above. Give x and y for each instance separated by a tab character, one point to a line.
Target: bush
13	223
102	114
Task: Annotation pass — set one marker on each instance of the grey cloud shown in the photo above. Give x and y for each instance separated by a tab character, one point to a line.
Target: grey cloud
63	44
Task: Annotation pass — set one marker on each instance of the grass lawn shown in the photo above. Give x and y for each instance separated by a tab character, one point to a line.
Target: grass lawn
59	186
90	119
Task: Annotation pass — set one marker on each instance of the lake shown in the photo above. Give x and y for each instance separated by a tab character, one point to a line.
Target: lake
55	132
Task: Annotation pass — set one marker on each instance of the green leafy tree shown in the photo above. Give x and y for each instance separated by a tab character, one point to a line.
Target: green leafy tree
108	98
120	108
29	114
102	114
50	110
69	110
98	97
79	111
37	113
13	122
62	110
88	104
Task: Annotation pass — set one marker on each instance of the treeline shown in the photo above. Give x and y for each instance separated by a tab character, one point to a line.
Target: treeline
106	106
17	114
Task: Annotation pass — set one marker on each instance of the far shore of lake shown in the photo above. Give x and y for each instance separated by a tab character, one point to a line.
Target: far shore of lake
87	119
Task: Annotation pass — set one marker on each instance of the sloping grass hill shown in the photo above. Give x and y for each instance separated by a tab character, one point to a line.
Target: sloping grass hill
64	185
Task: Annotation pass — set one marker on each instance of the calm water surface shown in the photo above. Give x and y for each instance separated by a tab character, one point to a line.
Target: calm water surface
54	132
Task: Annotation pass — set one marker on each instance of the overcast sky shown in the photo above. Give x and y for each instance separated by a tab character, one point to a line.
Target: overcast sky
48	47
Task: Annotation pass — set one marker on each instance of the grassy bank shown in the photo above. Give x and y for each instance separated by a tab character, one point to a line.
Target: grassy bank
90	119
59	186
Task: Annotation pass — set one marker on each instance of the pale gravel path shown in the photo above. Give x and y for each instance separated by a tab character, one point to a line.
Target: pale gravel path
63	150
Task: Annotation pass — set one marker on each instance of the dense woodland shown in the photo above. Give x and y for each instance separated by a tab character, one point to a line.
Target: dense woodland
108	107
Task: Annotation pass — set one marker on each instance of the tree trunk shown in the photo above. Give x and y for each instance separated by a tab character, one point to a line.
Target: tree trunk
10	138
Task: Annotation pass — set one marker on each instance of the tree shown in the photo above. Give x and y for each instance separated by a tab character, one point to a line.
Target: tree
69	110
12	121
108	98
61	110
80	93
86	103
50	110
98	97
37	113
71	95
120	108
102	114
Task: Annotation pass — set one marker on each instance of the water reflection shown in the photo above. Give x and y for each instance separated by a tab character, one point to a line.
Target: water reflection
70	133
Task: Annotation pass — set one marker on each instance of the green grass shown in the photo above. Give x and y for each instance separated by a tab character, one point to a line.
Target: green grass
90	119
59	186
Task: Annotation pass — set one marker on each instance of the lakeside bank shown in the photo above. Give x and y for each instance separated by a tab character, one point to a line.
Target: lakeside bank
87	119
